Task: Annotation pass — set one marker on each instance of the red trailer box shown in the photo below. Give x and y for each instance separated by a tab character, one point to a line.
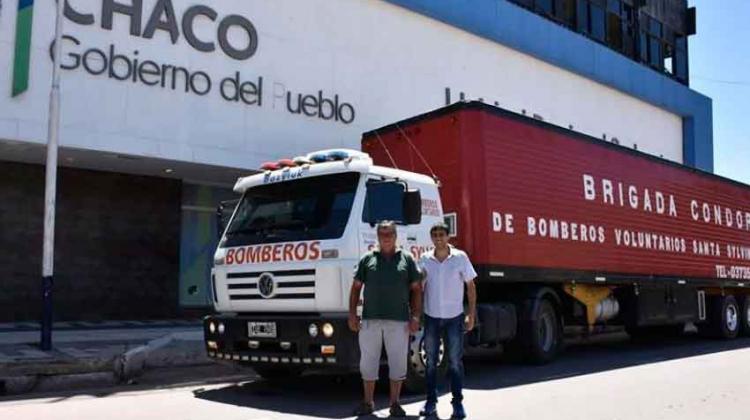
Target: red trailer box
529	196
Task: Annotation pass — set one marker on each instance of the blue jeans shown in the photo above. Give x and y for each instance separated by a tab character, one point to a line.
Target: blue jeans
452	331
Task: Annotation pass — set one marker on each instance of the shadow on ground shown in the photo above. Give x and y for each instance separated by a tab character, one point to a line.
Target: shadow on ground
336	397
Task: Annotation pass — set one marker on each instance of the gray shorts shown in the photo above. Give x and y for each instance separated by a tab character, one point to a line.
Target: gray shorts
373	333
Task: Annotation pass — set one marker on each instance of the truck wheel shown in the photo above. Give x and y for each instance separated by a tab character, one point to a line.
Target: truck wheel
724	318
541	338
277	373
745	316
417	363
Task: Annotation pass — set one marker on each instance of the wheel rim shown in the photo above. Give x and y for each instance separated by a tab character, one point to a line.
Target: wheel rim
418	354
423	352
732	317
546	332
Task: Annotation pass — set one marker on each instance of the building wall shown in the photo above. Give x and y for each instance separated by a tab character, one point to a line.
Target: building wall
199	237
117	245
384	61
506	23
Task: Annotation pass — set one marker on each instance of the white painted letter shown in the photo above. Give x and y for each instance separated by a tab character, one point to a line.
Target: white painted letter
531	226
633	197
509	223
607	193
660	203
647	202
589	190
497	222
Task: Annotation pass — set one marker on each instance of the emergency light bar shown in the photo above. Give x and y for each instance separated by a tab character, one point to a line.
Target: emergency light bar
333	155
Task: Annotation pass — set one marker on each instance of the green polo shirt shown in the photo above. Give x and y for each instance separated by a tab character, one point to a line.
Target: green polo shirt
387	284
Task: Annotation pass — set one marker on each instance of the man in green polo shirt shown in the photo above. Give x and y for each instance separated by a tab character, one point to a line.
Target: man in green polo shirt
391	280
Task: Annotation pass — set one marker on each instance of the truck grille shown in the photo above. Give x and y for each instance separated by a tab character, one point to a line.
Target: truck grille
286	284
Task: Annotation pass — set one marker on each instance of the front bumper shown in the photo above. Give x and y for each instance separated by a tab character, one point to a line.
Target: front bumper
292	345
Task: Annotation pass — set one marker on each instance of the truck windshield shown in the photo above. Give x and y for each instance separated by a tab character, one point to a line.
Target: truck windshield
305	209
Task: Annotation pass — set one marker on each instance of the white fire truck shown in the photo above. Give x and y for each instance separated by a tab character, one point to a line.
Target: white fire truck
284	266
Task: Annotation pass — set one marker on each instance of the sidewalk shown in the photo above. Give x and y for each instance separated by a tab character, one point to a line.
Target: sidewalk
94	354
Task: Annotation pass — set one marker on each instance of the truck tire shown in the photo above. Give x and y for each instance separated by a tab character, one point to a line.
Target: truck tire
541	337
416	368
724	318
745	316
277	373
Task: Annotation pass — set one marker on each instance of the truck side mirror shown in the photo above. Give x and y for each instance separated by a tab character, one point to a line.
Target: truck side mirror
224	214
412	207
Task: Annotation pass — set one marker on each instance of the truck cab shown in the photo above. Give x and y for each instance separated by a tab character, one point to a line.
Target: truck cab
284	265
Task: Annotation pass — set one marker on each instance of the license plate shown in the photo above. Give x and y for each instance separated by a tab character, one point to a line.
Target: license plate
261	329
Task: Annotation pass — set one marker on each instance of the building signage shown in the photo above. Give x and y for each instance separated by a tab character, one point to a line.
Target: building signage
284	252
633	197
162	17
234	84
121	64
581	206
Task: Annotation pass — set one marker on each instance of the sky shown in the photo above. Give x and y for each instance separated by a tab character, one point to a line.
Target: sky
720	68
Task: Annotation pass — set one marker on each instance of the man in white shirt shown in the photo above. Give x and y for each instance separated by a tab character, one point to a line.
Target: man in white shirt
446	270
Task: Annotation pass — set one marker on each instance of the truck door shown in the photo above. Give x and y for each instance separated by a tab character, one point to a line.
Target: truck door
390	200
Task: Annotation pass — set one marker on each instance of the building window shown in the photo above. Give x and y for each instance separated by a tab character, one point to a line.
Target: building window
654	52
615	28
565	10
651	42
628	30
655	27
623	27
668	59
582	17
681	58
596	14
643	46
544	6
590	19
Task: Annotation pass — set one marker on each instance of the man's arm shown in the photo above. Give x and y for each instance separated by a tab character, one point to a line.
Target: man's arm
422	268
471	294
416	306
354	295
470	276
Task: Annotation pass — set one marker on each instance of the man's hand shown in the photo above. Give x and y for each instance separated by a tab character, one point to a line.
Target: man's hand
413	326
354	300
353	322
469	321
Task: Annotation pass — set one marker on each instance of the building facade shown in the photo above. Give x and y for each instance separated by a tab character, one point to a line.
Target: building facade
165	103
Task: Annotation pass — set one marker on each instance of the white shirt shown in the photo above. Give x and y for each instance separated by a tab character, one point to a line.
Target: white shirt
444	283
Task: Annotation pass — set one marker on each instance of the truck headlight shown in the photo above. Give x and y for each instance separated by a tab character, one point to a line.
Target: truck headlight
313	330
221	328
328	330
212	327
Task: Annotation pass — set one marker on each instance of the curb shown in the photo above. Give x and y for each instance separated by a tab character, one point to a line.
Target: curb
17	385
173	350
178	349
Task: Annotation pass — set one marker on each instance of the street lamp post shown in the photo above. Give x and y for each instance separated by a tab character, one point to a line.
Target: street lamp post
50	187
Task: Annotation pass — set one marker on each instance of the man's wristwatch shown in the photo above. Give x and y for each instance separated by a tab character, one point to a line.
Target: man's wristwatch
415	318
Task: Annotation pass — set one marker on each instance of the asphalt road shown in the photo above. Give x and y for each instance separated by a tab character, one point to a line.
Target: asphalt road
687	378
